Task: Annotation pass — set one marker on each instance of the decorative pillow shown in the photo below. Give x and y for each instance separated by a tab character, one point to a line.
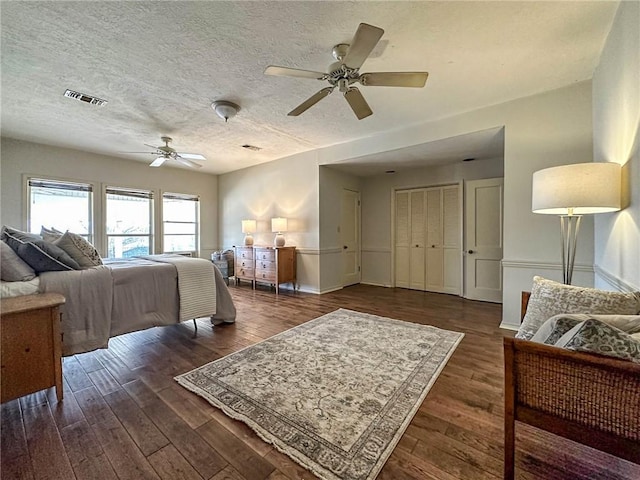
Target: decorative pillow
79	249
594	336
50	234
12	267
549	298
19	234
42	256
554	328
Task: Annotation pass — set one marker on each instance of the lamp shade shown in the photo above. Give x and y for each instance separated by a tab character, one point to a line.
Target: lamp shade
279	224
577	189
248	226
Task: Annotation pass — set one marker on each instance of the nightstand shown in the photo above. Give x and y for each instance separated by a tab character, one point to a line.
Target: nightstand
31	357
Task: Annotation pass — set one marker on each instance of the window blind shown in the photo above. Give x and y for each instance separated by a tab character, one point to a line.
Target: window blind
60	185
130	192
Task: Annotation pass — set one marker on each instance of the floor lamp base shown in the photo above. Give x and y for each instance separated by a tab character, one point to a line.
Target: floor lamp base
569	227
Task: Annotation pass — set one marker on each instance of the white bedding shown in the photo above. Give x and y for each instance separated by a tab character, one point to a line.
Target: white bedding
15	289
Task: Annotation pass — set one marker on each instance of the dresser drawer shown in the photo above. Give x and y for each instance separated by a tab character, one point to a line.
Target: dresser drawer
244	263
267	254
265	275
244	253
265	265
242	272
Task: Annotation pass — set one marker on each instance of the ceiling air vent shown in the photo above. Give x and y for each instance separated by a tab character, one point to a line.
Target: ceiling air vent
83	97
251	147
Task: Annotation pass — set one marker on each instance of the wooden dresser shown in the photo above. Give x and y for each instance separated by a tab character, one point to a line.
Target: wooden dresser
263	264
31	345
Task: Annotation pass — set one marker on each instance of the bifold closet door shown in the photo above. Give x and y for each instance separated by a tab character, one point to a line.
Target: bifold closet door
417	240
402	235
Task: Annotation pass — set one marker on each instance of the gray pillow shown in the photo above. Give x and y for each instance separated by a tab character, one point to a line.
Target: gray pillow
594	336
42	256
79	249
19	234
549	298
50	234
12	267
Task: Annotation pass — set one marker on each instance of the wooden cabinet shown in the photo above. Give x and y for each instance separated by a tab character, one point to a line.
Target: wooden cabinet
272	265
31	345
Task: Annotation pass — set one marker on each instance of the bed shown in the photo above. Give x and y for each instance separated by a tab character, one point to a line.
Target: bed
126	295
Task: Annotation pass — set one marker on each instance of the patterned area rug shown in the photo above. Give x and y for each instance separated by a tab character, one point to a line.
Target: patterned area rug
336	393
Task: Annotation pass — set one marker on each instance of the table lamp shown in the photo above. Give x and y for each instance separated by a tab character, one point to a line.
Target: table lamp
279	225
248	227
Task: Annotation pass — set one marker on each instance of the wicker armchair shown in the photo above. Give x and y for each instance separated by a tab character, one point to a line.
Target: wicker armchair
587	398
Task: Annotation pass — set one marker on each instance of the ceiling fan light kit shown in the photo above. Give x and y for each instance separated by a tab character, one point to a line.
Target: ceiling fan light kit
225	109
346	71
165	152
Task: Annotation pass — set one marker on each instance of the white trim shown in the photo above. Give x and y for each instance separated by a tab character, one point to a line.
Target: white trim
509	326
316	251
614	281
543	265
377	284
376	250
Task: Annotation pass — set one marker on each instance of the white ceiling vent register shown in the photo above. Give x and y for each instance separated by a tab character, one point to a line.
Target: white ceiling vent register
83	97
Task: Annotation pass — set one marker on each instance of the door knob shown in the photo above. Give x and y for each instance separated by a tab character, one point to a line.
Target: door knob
471	252
344	247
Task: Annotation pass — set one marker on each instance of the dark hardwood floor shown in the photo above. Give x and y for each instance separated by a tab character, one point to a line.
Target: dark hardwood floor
124	417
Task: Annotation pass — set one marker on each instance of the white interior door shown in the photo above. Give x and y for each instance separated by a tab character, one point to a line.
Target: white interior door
350	231
483	239
402	237
417	243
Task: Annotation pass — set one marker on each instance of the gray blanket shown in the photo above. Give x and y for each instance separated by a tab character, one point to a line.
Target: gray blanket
122	296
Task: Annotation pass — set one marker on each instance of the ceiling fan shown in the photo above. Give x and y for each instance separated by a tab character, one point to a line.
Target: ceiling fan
165	152
346	71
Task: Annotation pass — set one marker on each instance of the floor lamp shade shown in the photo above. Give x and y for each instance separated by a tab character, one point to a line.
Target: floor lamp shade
279	225
571	191
248	228
577	189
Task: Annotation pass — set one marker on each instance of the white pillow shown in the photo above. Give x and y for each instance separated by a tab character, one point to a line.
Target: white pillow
549	298
79	249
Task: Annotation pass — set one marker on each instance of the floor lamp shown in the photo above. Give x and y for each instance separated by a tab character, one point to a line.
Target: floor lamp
571	191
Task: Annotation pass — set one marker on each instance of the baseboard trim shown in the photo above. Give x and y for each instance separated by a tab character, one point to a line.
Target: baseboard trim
376	284
509	326
614	281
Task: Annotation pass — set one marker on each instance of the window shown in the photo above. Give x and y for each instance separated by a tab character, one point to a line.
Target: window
129	222
180	221
61	205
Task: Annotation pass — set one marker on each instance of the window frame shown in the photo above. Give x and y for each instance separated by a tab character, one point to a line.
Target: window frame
181	196
108	189
91	235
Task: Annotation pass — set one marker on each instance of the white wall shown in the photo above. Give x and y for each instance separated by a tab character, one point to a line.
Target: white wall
544	130
376	208
616	138
283	188
20	158
332	183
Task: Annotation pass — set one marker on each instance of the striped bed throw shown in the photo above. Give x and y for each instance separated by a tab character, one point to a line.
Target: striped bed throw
196	285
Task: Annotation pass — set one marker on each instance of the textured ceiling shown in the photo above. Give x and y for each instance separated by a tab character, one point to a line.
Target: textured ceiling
161	64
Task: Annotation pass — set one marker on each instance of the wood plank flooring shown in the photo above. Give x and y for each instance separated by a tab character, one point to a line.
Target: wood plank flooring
124	417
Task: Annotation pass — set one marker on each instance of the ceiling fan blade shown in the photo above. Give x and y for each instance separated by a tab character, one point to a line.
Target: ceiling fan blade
394	79
187	162
158	161
310	102
150	146
357	102
293	72
149	153
363	42
191	156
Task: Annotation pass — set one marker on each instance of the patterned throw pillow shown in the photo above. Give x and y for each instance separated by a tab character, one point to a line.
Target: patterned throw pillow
554	328
549	298
79	249
594	336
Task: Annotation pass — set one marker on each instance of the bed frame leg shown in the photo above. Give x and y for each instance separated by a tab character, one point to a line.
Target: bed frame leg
195	325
